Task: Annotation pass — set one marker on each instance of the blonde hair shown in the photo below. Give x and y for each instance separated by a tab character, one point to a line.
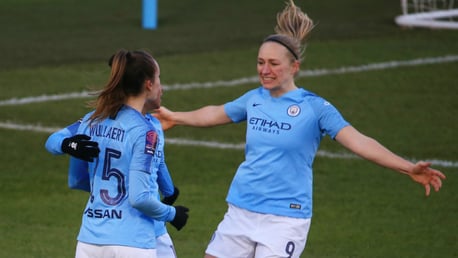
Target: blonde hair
292	30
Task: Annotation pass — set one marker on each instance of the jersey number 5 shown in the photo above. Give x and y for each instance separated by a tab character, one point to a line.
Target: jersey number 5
109	172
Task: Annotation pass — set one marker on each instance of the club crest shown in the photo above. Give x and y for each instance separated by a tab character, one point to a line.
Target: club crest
294	110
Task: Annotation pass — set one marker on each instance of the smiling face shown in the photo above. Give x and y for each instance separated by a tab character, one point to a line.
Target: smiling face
276	68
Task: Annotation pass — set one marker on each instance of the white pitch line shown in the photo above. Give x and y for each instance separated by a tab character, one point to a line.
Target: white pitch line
252	79
218	145
236	82
30	128
44	98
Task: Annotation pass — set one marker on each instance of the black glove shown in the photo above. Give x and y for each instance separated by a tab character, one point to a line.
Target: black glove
169	200
181	217
80	147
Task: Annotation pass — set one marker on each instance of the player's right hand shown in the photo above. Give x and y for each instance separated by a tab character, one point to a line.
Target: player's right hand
80	146
164	115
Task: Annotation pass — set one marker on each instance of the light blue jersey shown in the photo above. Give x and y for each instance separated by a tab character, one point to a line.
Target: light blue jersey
124	192
282	138
164	180
78	176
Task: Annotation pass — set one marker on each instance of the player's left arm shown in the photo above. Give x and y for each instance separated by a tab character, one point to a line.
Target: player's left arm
164	180
370	149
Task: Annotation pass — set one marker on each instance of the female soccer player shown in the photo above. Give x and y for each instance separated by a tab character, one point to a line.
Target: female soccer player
84	151
270	197
119	217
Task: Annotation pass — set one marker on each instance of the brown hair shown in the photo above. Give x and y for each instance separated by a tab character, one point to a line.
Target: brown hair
129	70
293	27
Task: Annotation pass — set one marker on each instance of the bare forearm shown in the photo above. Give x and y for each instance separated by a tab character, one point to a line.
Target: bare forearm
204	117
377	153
370	149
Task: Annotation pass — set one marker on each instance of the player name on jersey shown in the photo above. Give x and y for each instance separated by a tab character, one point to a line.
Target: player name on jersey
109	132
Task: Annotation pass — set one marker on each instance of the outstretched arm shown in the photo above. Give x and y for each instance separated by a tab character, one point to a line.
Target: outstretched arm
370	149
207	116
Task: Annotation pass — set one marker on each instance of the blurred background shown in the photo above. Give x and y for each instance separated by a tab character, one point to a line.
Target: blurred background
396	84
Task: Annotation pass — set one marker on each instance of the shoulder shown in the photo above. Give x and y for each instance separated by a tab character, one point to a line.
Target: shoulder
86	117
153	119
133	122
253	93
313	98
317	103
259	91
155	122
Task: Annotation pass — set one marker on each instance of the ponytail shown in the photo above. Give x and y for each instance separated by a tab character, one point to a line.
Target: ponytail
129	70
292	29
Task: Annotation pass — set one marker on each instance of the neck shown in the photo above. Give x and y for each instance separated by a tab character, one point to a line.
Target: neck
136	103
282	89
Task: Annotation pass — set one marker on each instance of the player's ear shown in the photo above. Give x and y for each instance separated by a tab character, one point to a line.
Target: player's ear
148	85
296	66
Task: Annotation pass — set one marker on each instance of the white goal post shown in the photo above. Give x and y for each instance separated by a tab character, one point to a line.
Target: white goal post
435	14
